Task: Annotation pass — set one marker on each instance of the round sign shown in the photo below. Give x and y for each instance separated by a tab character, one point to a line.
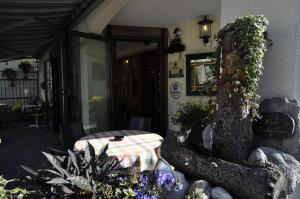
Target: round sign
175	90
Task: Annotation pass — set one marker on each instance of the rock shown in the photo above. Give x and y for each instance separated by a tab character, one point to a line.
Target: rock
181	189
289	145
258	158
274	124
200	189
288	164
220	193
207	137
183	136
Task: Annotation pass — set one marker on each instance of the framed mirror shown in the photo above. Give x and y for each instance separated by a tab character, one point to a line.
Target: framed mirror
200	79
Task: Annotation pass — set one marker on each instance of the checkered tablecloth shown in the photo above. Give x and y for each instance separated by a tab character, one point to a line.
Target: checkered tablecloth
138	149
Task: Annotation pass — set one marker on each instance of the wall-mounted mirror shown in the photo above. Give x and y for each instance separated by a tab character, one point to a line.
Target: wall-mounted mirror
200	79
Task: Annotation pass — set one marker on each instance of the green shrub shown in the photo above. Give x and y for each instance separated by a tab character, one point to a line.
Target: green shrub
192	115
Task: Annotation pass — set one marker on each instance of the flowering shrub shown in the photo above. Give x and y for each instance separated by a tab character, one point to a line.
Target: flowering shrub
145	185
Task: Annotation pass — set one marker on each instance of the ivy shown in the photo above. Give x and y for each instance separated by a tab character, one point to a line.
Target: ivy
249	41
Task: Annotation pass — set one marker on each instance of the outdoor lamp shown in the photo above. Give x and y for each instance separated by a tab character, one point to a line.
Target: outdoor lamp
205	29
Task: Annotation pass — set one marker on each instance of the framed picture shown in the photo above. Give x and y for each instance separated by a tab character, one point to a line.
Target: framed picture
175	69
200	79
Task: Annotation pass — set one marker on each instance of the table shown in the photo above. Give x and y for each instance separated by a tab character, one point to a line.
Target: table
139	148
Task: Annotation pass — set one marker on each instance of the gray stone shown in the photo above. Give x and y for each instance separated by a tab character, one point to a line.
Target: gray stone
274	124
183	136
207	137
200	189
181	188
220	193
258	158
288	164
291	107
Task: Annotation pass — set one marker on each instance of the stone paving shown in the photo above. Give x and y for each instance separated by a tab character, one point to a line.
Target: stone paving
23	146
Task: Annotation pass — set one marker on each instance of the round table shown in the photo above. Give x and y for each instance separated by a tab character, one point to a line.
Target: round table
138	148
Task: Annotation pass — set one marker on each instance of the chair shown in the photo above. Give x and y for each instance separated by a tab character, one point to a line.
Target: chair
70	134
140	123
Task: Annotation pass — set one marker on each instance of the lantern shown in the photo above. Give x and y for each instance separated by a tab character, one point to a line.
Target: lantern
205	29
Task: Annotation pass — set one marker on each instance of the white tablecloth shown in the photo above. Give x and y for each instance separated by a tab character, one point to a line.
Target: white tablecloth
139	148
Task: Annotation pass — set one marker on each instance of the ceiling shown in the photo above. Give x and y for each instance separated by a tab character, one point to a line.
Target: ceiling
27	27
164	13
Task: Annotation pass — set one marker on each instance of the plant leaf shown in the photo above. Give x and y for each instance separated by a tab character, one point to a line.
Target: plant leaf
58	181
29	170
74	161
53	172
89	152
81	182
56	163
66	190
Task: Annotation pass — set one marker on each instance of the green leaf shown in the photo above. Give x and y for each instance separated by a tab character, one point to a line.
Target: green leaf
56	164
81	182
74	161
29	170
57	181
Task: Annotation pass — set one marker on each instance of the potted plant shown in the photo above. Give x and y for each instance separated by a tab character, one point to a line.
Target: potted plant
25	67
193	117
10	74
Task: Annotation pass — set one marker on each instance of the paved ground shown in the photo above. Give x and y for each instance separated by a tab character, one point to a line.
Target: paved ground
22	146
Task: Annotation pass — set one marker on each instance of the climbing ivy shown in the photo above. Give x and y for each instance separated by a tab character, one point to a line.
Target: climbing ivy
250	42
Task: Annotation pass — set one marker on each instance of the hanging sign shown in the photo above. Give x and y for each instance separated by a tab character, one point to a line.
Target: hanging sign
175	90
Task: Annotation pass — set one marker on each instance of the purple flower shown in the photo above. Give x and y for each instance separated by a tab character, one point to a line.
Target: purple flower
165	179
143	180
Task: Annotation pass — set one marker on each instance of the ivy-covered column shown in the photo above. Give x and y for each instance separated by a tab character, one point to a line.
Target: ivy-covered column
241	48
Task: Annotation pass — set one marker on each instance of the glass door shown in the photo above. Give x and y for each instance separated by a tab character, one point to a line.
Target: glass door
91	82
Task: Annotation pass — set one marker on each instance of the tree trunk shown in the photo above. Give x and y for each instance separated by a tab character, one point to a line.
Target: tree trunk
231	136
241	181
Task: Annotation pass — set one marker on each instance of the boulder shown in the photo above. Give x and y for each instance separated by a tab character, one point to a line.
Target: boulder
200	189
181	188
207	137
258	158
289	145
274	124
288	164
220	193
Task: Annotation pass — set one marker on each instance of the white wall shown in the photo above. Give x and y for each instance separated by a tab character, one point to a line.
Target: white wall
281	75
98	19
190	38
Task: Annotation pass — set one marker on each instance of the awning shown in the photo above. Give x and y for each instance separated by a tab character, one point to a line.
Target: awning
28	27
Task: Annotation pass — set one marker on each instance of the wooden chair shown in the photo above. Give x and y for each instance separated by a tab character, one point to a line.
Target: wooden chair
69	134
140	123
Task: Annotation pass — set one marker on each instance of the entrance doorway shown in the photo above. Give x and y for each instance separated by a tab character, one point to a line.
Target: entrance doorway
137	93
140	74
106	86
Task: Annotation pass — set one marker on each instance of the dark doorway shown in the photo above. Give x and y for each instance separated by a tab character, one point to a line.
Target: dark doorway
146	76
137	97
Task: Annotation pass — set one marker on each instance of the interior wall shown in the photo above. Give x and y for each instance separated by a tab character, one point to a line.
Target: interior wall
190	38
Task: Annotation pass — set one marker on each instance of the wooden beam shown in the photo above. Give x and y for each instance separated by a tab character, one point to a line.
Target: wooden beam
11	49
39	4
53	26
17	24
34	12
39	1
16	58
